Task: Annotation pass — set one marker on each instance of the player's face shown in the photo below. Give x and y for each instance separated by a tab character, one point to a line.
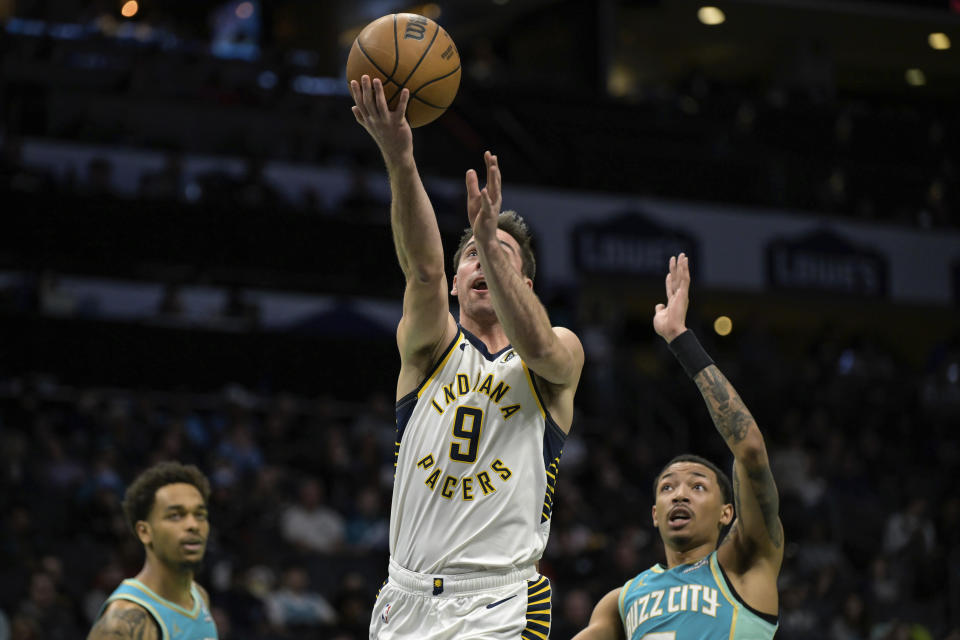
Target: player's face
177	528
689	509
470	284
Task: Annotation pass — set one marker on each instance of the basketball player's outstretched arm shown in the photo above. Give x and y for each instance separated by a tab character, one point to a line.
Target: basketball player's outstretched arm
124	621
605	623
426	325
554	353
753	550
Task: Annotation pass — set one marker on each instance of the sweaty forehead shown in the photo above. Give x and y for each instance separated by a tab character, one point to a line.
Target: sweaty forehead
178	494
687	469
505	239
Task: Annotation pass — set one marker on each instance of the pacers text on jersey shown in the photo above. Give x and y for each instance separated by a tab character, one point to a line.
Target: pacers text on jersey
470	486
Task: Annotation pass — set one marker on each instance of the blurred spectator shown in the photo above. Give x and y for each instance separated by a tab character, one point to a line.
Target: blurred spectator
108	577
294	605
352	602
368	527
244	602
577	605
49	610
310	524
910	527
851	623
799	619
240	449
883	589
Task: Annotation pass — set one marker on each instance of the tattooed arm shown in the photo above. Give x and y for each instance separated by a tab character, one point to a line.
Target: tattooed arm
124	620
757	529
753	550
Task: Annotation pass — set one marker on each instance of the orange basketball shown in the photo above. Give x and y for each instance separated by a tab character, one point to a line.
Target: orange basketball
408	50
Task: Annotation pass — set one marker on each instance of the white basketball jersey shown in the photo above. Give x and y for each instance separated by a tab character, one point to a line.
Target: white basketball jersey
476	465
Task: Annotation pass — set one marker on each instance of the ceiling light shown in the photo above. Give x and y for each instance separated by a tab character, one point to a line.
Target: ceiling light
723	326
130	9
939	41
711	16
915	77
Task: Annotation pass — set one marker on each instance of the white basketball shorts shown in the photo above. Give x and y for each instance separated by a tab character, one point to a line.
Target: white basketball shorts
472	606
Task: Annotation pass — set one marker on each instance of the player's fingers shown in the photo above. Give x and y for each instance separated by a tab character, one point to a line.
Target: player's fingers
488	206
659	308
369	100
473	184
668	285
402	102
357	114
357	92
381	97
493	176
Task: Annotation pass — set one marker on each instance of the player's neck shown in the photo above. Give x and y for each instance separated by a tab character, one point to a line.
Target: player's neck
168	584
491	334
677	557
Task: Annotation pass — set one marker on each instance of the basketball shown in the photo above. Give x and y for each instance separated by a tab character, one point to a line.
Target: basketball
412	51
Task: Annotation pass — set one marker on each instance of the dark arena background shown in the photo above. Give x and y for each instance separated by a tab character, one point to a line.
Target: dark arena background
196	263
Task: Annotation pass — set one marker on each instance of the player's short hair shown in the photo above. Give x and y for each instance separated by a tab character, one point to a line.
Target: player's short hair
514	224
726	489
140	495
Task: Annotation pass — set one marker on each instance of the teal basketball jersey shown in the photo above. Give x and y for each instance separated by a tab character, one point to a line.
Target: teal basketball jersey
689	602
175	622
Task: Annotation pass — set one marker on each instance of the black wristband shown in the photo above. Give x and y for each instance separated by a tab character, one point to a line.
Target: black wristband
688	351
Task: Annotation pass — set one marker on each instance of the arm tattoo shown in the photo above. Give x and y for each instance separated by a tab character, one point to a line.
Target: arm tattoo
733	421
125	624
732	533
736	492
729	414
766	491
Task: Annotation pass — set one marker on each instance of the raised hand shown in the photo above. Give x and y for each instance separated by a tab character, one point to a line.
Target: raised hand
669	320
389	129
483	205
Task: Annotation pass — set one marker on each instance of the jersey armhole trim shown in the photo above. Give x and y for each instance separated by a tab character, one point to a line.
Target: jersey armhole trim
437	367
768	617
536	391
623	596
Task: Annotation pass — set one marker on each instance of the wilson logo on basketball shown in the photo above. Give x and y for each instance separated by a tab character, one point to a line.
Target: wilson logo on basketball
416	28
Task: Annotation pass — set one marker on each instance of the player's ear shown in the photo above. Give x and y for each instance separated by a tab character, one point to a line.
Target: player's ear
143	531
654	515
453	287
726	514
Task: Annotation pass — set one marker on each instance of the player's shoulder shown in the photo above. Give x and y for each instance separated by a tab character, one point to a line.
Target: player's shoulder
645	576
568	337
125	619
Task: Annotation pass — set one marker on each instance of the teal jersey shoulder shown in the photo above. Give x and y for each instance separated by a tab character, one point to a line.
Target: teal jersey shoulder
689	602
175	622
